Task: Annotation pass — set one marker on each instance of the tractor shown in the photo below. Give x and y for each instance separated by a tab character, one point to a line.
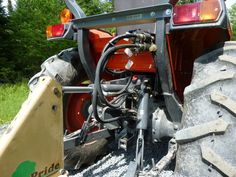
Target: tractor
167	76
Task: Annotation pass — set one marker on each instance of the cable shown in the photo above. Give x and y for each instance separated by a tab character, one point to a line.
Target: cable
114	40
98	90
100	65
111	43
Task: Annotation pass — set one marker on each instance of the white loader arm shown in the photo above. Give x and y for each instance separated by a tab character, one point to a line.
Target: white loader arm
32	146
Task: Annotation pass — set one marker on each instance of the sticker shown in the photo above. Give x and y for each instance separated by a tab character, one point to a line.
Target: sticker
28	169
129	64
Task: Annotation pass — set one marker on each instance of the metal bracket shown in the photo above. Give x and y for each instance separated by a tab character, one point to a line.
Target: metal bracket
128	17
159	14
72	142
85	54
125	141
75	8
163	67
164	162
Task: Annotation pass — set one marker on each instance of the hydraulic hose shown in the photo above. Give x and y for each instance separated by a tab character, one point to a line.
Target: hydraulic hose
97	92
114	40
112	43
103	60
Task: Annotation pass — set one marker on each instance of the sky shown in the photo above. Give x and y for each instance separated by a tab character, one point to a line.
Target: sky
229	3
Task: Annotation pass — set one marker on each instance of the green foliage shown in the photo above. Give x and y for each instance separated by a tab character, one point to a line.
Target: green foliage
25	46
232	14
11	98
5	68
93	7
181	2
28	44
9	7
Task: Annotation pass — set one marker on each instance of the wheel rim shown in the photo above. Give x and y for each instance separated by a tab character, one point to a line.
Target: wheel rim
77	111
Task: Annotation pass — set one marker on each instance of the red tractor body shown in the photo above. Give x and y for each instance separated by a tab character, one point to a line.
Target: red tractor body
149	62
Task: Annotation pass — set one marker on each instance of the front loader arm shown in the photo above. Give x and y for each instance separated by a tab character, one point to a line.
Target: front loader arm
32	146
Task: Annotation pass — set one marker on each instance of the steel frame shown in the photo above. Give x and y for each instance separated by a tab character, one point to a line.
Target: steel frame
122	18
160	14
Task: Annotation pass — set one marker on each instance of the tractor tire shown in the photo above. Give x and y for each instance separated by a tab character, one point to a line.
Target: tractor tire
209	101
67	69
64	67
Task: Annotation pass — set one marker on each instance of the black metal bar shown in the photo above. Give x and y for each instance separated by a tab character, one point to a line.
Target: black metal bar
85	54
164	71
72	142
75	8
123	18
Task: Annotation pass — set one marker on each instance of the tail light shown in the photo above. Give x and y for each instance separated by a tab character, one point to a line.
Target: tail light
58	30
55	30
66	16
205	11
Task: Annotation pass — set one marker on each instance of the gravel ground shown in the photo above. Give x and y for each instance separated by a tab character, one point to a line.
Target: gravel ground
115	164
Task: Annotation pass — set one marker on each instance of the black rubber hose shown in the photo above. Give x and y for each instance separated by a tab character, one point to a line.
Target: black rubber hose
114	40
98	89
112	43
103	60
95	112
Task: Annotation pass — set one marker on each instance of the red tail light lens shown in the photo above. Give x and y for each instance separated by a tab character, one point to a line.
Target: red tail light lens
206	11
55	31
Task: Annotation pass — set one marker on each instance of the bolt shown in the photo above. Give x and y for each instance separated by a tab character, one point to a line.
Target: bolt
155	140
63	172
176	127
54	108
152	14
56	92
168	12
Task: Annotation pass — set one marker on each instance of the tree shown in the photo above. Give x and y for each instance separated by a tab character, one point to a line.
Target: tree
181	2
5	64
27	25
93	7
9	6
232	15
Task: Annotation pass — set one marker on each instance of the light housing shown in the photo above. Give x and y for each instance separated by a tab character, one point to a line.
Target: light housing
57	30
66	16
199	12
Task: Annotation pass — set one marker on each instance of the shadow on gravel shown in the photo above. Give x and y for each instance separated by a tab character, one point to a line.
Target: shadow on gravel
115	163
